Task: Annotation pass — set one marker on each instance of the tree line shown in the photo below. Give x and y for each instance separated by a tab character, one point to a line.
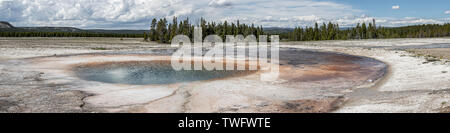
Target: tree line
66	34
332	31
163	32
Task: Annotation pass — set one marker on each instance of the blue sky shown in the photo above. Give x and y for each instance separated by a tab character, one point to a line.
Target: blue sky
408	8
136	14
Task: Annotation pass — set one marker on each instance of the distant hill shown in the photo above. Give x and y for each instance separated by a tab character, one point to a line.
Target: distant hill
7	27
4	24
70	30
118	31
277	30
51	29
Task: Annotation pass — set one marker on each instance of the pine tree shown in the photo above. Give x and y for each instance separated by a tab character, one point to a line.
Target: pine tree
174	28
364	31
316	32
145	36
153	30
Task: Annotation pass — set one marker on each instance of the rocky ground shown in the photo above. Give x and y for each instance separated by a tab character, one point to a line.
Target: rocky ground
35	77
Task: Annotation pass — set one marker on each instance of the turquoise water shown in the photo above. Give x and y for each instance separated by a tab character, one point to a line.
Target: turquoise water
147	73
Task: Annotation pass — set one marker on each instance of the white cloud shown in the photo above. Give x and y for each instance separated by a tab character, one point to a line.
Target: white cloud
91	13
414	21
350	21
447	12
308	18
137	14
396	7
220	3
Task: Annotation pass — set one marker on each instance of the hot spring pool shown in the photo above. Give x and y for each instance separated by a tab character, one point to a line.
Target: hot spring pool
146	73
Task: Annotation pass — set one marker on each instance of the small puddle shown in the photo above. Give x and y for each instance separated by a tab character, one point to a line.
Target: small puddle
149	72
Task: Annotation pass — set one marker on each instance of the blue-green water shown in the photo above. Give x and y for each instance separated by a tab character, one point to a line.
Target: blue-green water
145	73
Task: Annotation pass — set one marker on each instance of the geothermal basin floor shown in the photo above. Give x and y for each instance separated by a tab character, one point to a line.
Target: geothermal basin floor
37	75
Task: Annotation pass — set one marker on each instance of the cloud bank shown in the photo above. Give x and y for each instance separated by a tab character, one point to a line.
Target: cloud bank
137	14
396	7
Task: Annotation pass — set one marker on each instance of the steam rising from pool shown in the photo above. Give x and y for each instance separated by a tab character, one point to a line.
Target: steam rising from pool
146	73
